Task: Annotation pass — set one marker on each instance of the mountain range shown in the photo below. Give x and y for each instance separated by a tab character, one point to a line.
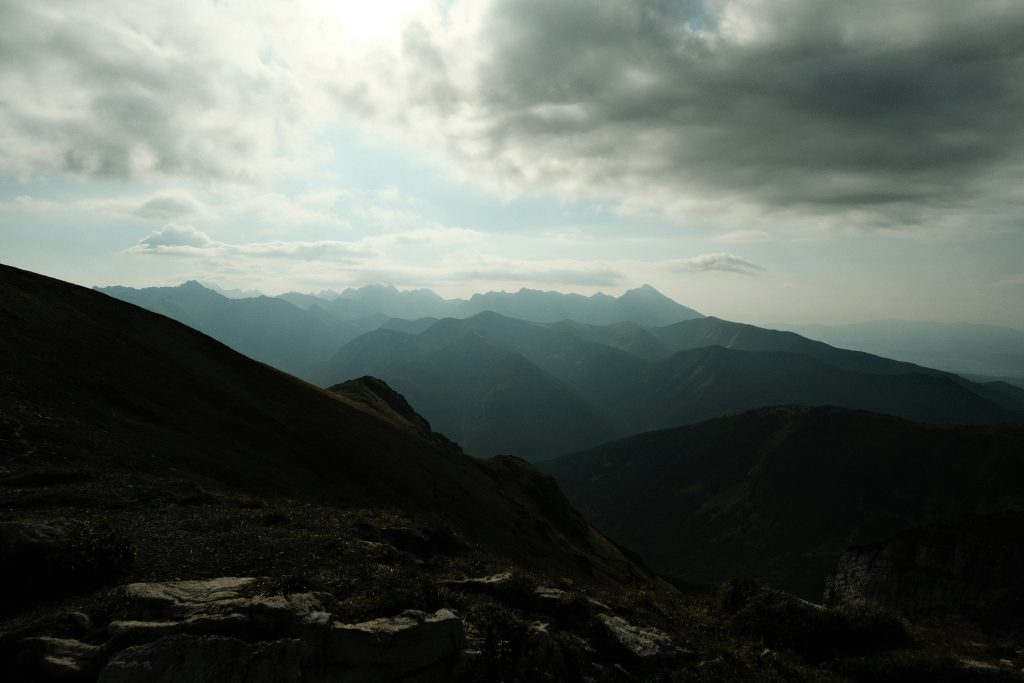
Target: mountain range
497	384
644	305
294	331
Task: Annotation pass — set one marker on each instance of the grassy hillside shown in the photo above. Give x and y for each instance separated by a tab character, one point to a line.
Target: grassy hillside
779	493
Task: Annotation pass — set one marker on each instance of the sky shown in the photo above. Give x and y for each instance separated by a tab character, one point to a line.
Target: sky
759	160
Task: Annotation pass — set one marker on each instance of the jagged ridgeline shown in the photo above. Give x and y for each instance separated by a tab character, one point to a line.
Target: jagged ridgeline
539	374
294	331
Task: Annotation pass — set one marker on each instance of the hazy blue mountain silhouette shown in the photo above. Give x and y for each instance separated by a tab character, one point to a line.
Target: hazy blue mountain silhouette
267	329
481	394
644	305
632	379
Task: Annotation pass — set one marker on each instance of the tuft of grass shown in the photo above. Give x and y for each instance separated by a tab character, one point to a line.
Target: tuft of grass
817	633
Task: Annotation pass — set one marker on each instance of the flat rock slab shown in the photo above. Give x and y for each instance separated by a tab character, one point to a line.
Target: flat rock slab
492	584
213	631
179	599
398	645
61	658
644	644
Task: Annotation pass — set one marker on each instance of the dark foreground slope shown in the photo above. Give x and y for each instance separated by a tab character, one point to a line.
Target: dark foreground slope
172	511
780	493
100	390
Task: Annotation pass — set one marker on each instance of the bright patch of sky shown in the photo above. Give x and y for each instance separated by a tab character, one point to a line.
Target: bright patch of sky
792	161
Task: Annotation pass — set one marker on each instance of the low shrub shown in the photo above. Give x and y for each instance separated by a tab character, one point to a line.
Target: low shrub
784	621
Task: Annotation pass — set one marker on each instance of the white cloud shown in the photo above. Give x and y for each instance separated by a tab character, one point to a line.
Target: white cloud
709	262
169	206
183	240
175	236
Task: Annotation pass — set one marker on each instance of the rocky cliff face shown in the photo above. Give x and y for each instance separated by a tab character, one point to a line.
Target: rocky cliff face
974	568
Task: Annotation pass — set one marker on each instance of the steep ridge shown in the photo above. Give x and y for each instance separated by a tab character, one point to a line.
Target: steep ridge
384	402
710	331
119	395
480	394
780	493
710	381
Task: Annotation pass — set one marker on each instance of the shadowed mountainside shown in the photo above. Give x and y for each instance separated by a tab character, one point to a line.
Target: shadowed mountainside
781	492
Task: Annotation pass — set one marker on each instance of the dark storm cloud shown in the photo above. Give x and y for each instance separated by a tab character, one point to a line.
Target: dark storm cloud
867	113
821	106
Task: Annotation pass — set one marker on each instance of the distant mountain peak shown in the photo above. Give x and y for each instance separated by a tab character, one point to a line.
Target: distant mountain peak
644	290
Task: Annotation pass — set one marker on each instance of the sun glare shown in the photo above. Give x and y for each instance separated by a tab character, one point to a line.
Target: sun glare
372	20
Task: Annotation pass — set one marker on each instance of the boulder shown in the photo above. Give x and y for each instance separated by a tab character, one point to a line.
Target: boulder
487	585
390	648
644	645
540	657
182	599
216	606
550	594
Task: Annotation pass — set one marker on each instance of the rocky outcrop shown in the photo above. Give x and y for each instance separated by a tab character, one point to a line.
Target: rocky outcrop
240	630
224	630
973	568
645	645
494	584
375	396
60	658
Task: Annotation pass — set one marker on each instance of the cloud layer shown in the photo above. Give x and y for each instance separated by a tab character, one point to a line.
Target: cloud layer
866	114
